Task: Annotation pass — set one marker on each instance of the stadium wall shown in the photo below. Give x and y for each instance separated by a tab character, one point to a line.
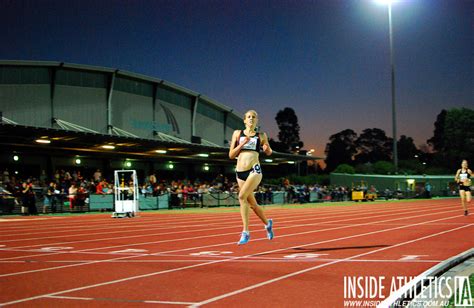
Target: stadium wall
33	93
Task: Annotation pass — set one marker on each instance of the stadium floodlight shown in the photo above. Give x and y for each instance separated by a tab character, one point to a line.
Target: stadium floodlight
392	73
44	141
386	2
108	147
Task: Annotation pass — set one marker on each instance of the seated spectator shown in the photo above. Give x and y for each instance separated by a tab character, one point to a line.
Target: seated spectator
101	188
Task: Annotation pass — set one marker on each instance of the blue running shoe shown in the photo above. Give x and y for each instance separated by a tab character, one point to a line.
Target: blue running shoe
269	229
244	239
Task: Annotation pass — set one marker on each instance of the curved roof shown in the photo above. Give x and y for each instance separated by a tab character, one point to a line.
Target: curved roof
125	73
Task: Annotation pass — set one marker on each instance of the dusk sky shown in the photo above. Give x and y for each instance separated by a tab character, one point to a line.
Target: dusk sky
328	59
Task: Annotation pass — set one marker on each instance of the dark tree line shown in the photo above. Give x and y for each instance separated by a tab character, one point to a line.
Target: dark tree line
371	151
453	138
371	146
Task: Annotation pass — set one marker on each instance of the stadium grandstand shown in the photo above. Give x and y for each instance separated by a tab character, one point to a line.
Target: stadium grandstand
56	115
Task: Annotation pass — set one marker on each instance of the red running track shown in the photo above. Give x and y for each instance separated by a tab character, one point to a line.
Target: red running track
192	259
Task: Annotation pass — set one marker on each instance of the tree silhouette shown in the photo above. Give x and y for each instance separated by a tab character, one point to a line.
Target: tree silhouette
373	145
453	138
437	140
406	148
340	149
289	134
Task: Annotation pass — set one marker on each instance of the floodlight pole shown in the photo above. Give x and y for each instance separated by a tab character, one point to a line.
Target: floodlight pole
394	113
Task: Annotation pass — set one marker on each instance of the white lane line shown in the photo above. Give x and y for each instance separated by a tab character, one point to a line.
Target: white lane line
162	226
139	224
257	285
247	260
118	300
169	303
241	257
173	224
71	297
179	232
155	218
173	218
214	245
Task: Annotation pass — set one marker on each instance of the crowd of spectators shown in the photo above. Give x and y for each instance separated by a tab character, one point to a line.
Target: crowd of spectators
71	189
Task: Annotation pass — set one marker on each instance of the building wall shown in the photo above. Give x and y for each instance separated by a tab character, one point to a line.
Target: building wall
129	111
173	120
27	104
83	106
80	96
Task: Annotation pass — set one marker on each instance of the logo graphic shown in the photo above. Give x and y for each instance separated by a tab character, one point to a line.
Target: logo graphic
463	295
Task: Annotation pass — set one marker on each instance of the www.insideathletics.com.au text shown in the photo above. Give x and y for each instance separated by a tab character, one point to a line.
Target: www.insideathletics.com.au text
399	291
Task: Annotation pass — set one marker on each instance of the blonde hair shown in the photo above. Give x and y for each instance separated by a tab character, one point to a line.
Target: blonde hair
251	111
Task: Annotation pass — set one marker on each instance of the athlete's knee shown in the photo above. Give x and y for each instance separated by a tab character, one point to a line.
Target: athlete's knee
243	196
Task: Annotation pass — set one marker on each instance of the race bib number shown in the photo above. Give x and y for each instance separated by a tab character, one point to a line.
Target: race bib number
257	169
250	145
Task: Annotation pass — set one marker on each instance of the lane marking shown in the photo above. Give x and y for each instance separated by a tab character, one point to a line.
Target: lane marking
71	297
305	255
210	253
266	252
120	227
223	234
49	249
254	286
411	257
247	260
232	243
131	250
119	300
173	226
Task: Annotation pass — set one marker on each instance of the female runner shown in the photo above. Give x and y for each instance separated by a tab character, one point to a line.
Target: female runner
463	178
246	146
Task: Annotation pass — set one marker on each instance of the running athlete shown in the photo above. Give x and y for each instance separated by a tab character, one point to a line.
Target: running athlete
245	146
463	178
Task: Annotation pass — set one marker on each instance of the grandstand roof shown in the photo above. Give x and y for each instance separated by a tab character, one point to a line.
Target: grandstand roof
24	137
71	137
